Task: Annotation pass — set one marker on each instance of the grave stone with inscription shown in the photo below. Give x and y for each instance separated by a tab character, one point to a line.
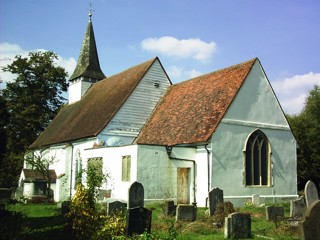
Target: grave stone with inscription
138	221
310	224
237	226
311	193
136	195
215	197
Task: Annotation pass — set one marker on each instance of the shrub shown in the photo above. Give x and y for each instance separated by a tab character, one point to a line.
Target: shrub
82	215
112	226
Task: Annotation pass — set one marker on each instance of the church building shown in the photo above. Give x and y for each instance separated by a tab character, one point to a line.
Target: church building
224	129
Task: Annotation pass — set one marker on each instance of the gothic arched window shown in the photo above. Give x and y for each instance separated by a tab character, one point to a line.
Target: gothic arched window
257	160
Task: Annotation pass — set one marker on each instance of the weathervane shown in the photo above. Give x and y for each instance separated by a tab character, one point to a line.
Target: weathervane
90	11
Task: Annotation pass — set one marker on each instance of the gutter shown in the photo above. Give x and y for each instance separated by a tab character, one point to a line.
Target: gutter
208	167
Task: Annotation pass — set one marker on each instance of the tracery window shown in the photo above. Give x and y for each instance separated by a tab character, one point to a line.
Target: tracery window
257	160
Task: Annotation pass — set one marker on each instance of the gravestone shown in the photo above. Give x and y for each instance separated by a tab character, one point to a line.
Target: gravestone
310	224
186	212
136	195
297	208
255	200
311	193
215	197
170	208
237	226
138	221
274	213
115	206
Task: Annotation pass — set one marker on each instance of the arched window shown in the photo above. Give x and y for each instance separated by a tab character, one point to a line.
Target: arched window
257	160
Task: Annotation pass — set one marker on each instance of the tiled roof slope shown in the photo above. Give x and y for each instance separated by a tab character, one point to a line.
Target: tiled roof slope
87	117
34	175
190	111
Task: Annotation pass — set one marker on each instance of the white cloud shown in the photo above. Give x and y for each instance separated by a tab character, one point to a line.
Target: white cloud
175	72
8	51
292	91
184	48
193	73
179	73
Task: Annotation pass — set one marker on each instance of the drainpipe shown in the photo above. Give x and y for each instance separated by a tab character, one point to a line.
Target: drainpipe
71	170
208	167
169	151
208	162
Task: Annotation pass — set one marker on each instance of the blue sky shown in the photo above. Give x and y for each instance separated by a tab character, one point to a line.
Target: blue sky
190	37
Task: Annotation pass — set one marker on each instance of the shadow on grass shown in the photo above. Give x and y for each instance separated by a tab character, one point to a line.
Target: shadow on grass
16	226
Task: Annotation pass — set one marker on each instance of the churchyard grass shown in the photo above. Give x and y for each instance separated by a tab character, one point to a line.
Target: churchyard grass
43	221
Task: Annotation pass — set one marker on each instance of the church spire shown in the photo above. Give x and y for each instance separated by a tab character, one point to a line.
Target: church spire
88	65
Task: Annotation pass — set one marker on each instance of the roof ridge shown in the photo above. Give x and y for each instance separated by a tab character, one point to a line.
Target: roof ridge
218	70
135	66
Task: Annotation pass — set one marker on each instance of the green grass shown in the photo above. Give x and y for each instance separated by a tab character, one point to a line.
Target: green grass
40	221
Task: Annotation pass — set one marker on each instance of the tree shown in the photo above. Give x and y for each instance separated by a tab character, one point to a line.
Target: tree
32	101
306	128
41	161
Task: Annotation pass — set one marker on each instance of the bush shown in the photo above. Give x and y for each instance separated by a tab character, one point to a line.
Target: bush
82	215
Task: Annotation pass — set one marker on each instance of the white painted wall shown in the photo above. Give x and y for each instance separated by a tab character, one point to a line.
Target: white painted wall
255	107
131	117
112	165
78	88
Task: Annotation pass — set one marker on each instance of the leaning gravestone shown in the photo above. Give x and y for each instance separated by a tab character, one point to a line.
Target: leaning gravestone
311	193
237	226
297	208
310	224
115	207
138	221
136	195
215	197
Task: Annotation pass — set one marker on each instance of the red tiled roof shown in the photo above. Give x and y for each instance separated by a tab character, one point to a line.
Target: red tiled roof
87	117
191	111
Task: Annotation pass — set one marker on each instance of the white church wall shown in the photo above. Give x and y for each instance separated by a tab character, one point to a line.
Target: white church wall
255	107
112	166
131	117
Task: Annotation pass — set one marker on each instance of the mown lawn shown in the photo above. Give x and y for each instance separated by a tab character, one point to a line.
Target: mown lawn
39	221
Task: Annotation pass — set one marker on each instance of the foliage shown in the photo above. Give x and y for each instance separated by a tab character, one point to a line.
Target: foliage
306	129
84	220
42	221
30	102
112	226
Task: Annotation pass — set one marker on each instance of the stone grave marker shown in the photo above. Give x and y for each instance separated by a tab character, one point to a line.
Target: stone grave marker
136	195
186	212
310	224
297	208
237	226
138	221
116	206
255	200
170	208
311	193
274	213
215	197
